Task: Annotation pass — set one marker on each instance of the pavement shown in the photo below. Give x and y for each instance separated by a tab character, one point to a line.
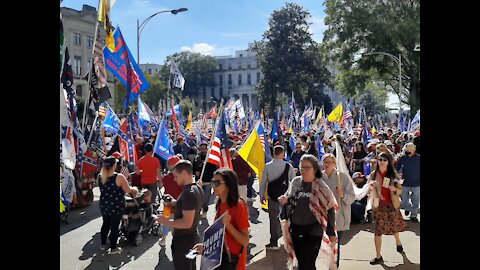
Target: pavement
80	242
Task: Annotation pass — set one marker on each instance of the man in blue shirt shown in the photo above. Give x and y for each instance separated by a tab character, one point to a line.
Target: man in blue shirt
295	157
409	166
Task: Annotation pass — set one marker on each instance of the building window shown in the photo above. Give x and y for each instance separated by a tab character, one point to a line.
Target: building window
78	65
77	39
89	62
240	65
149	71
220	79
229	66
221	92
249	66
258	77
229	79
79	90
220	66
156	70
241	55
90	41
239	79
249	79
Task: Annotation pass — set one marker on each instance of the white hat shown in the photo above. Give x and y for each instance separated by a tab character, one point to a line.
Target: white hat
388	143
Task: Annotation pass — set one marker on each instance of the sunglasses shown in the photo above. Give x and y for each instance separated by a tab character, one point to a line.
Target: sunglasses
382	159
305	168
217	182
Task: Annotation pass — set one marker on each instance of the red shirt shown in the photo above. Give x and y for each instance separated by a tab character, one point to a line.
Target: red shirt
387	199
171	187
149	166
240	221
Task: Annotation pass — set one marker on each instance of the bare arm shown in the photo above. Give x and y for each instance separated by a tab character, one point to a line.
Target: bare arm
121	181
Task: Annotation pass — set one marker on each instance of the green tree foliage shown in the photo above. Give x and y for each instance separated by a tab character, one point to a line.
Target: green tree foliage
391	26
197	69
120	92
290	59
156	92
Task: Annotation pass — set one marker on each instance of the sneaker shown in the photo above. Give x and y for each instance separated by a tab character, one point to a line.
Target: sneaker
407	212
103	247
400	248
272	247
376	261
163	241
116	250
413	219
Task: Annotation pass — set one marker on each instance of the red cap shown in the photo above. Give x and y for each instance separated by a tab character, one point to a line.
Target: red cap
117	155
172	161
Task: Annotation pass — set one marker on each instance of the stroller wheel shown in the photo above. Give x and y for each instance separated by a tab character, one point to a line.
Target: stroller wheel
138	239
156	230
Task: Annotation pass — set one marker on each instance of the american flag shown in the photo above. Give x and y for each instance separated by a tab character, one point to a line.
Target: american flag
99	61
309	111
261	135
102	110
220	149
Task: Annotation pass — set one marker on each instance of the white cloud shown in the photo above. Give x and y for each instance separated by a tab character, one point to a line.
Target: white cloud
317	28
203	48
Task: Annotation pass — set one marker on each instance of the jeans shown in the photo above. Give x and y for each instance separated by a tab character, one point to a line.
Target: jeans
414	196
154	189
250	191
110	224
181	245
273	214
207	191
306	249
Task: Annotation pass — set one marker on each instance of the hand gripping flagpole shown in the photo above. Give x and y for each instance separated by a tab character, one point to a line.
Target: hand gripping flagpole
214	133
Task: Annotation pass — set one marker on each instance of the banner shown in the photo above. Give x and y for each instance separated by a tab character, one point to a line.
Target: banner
163	144
111	123
68	184
213	245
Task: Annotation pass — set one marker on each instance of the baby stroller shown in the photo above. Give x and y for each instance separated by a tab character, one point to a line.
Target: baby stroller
137	220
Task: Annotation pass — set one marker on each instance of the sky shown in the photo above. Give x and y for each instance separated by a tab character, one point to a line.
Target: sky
211	27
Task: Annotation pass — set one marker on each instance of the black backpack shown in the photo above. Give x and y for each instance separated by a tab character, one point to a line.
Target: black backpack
279	186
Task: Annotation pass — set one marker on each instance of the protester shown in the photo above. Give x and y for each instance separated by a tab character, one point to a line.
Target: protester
186	216
205	181
311	213
181	147
359	206
113	187
295	157
388	219
278	171
244	172
149	168
358	155
409	165
342	188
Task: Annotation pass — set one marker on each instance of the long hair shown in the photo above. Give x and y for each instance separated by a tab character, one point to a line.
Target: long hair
314	161
312	149
391	172
231	181
105	172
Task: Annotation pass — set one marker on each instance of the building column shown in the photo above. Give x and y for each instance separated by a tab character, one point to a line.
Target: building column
250	101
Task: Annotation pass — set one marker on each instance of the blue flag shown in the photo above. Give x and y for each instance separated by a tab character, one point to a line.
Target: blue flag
321	151
275	132
415	122
293	142
111	123
143	117
176	108
123	66
163	143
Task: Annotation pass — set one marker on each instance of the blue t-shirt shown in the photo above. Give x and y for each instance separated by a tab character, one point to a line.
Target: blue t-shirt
410	170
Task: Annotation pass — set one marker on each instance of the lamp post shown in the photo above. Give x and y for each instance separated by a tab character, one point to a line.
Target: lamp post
140	26
399	61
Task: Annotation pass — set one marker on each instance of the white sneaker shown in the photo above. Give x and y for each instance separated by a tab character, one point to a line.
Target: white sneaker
103	247
163	241
116	250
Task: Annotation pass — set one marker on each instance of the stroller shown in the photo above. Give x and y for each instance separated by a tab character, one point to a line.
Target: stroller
137	220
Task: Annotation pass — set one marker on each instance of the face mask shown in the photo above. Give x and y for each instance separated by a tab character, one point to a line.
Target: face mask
407	153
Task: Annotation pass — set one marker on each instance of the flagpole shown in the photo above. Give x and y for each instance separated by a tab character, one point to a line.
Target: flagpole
92	129
214	133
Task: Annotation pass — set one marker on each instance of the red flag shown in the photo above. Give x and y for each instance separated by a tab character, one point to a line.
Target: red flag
175	121
213	112
123	128
89	163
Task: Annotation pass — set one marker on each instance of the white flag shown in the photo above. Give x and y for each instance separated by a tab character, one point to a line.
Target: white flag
177	78
68	184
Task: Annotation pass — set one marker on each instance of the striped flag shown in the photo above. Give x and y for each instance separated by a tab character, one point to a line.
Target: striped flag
220	149
102	110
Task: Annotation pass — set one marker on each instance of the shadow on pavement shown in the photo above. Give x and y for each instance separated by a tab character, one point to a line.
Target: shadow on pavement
273	260
253	212
105	260
249	248
81	216
407	265
163	261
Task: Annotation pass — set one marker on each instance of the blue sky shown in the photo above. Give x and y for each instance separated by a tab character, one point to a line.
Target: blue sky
213	27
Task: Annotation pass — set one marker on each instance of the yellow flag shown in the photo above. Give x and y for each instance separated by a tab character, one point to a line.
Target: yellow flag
104	17
336	114
319	116
62	206
290	130
252	152
374	130
189	123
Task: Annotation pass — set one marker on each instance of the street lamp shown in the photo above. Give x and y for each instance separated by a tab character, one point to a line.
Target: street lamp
140	26
399	61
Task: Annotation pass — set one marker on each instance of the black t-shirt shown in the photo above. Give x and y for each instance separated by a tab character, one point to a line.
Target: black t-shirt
191	198
209	169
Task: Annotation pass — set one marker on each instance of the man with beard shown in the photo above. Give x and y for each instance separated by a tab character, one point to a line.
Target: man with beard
207	176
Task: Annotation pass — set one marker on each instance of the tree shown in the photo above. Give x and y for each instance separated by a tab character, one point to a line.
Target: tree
120	93
197	69
391	26
290	59
156	92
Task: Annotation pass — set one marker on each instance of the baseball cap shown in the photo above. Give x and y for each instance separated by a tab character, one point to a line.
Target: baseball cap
357	174
109	161
388	143
410	146
117	155
148	147
172	161
180	139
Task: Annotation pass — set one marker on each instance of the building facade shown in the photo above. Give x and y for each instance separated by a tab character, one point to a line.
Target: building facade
150	69
236	77
79	32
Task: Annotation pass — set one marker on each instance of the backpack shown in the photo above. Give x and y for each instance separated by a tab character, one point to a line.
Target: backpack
279	186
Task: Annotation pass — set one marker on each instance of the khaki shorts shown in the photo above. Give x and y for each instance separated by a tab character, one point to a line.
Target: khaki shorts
242	192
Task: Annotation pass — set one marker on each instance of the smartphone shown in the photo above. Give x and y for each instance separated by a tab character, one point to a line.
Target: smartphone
192	254
386	182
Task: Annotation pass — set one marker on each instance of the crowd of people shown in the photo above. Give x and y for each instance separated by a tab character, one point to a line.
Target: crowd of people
303	186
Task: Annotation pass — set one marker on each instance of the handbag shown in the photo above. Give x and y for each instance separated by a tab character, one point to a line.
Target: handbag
229	261
279	186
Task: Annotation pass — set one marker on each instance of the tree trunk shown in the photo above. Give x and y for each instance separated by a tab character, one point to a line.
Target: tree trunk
414	98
